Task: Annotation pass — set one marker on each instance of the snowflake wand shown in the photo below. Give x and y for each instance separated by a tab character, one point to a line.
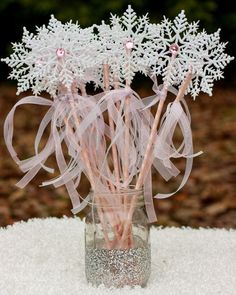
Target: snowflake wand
61	59
186	64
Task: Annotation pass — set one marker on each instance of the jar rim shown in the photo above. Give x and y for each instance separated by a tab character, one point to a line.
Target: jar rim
128	191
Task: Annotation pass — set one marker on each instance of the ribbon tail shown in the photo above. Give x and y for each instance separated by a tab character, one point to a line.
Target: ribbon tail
8	125
176	116
165	172
81	206
188	169
28	176
74	195
149	204
36	164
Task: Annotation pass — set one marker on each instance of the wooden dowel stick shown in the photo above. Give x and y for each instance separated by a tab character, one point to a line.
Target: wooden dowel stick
149	147
83	150
141	179
112	128
100	207
87	163
127	139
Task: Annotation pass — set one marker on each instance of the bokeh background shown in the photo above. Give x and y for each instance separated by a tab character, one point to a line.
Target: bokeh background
209	198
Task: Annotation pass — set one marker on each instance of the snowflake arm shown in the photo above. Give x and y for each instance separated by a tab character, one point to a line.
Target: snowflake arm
125	38
58	54
199	52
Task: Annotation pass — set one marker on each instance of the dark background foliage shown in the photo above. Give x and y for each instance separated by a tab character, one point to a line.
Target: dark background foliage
208	199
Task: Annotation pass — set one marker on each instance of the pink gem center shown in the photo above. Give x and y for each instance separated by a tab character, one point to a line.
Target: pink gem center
60	52
174	49
129	44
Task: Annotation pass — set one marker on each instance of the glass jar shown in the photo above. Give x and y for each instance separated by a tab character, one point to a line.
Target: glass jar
117	243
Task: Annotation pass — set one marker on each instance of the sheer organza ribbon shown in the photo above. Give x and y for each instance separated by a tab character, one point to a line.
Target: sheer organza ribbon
166	172
140	125
91	130
78	122
164	147
57	116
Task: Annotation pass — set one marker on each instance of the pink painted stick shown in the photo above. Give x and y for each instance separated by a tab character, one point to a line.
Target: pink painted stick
112	128
148	152
91	176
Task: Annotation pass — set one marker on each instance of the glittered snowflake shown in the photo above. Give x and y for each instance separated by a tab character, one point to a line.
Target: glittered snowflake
57	55
123	44
66	56
187	50
212	60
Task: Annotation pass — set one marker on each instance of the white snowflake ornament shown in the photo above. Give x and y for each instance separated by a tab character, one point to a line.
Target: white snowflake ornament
64	56
187	50
212	60
123	43
177	57
57	55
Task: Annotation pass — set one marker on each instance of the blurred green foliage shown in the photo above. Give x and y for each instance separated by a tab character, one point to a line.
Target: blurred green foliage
14	14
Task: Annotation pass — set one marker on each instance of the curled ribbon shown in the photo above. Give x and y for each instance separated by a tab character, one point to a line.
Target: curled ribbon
56	116
140	125
77	121
164	146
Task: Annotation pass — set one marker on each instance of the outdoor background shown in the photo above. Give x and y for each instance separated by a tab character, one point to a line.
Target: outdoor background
208	199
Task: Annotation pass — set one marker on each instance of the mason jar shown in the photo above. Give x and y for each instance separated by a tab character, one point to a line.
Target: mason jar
117	242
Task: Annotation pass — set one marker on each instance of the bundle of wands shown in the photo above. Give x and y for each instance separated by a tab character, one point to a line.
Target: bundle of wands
112	137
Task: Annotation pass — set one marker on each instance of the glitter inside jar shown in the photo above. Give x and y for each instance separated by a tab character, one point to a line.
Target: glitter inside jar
109	259
118	267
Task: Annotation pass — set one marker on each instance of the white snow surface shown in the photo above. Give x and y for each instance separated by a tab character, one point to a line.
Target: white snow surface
46	256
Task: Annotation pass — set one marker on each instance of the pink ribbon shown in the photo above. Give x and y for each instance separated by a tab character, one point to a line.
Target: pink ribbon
164	146
91	131
55	116
140	126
